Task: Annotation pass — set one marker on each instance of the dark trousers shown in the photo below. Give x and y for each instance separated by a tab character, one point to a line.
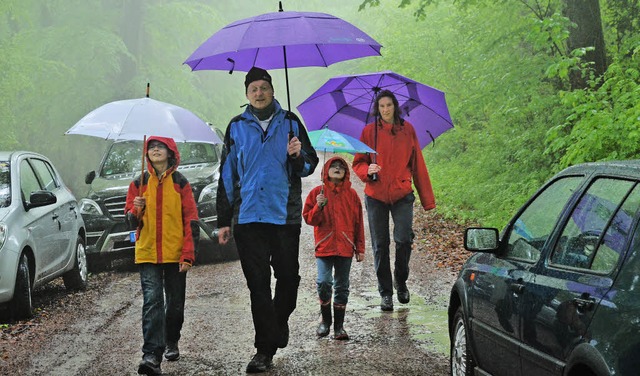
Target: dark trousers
261	247
161	322
378	216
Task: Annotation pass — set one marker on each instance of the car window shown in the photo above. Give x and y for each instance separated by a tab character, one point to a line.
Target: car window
197	152
126	157
45	173
535	224
123	158
5	184
598	228
28	180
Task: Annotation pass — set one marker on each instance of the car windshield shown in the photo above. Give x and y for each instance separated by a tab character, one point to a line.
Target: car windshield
5	184
126	157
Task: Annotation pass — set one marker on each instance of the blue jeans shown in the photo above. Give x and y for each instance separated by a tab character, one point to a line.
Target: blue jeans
325	281
378	215
161	322
262	246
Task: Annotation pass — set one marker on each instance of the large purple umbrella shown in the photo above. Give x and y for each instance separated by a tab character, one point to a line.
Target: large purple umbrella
344	104
282	40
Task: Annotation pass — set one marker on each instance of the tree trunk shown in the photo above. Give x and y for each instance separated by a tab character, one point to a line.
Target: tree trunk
586	15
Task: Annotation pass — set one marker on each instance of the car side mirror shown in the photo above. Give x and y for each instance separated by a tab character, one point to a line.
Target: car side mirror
41	198
89	177
478	239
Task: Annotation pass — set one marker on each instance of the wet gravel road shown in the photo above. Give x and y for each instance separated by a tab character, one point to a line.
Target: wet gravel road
98	332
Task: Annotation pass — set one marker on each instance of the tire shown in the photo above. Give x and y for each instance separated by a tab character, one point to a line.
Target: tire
21	306
461	362
78	277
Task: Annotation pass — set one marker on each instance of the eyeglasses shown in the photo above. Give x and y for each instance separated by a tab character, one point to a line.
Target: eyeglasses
338	166
158	145
263	88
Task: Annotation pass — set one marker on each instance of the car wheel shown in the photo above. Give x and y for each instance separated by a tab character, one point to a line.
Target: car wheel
77	278
460	358
21	305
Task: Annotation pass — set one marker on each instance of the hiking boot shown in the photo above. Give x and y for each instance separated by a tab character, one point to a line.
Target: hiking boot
403	296
172	353
149	365
325	324
386	304
340	335
259	363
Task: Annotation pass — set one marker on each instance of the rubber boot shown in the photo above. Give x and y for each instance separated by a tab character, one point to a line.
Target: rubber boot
325	324
338	331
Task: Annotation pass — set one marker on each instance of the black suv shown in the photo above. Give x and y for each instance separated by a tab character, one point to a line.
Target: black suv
103	207
557	292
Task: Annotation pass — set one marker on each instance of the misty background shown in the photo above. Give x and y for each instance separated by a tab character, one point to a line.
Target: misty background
532	86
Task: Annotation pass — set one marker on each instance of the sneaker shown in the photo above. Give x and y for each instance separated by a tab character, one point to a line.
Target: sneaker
404	296
172	352
149	365
259	363
386	303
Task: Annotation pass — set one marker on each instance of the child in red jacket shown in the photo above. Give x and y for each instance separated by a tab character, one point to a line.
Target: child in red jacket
335	211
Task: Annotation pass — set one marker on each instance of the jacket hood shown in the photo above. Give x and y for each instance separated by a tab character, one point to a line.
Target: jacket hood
346	182
174	161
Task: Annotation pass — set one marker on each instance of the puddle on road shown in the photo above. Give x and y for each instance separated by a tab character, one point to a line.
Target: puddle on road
426	324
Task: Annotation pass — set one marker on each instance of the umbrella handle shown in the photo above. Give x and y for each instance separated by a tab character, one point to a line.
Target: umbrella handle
374	177
144	151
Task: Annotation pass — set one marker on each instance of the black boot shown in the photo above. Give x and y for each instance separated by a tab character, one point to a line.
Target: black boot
338	331
325	324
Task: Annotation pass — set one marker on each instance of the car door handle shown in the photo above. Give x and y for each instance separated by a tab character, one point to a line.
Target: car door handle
517	288
584	303
55	217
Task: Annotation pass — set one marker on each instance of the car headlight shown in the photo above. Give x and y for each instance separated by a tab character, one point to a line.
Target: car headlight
209	193
3	234
89	207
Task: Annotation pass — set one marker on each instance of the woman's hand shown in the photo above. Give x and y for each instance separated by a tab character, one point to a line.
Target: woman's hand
373	169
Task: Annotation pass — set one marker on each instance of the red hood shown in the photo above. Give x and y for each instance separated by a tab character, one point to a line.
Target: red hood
325	173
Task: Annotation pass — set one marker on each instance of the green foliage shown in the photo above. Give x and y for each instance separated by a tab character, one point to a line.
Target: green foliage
502	64
602	123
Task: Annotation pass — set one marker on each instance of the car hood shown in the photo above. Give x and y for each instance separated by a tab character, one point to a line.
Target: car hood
118	185
4	212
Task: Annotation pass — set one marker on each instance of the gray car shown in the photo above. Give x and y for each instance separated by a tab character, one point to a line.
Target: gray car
42	234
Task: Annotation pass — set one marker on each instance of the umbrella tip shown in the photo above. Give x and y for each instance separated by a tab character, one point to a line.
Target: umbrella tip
148	90
280	6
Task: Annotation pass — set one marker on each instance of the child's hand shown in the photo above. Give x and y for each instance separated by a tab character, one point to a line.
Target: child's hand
321	200
359	257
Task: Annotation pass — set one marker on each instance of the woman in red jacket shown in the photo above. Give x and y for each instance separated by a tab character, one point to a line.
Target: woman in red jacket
388	190
335	212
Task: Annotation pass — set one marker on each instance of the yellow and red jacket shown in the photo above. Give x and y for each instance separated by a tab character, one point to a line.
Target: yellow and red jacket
168	228
400	159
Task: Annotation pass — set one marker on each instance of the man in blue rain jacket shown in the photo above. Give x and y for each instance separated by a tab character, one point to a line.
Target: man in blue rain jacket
266	153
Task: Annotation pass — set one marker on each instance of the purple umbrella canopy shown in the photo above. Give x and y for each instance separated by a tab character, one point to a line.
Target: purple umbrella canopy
283	39
344	104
